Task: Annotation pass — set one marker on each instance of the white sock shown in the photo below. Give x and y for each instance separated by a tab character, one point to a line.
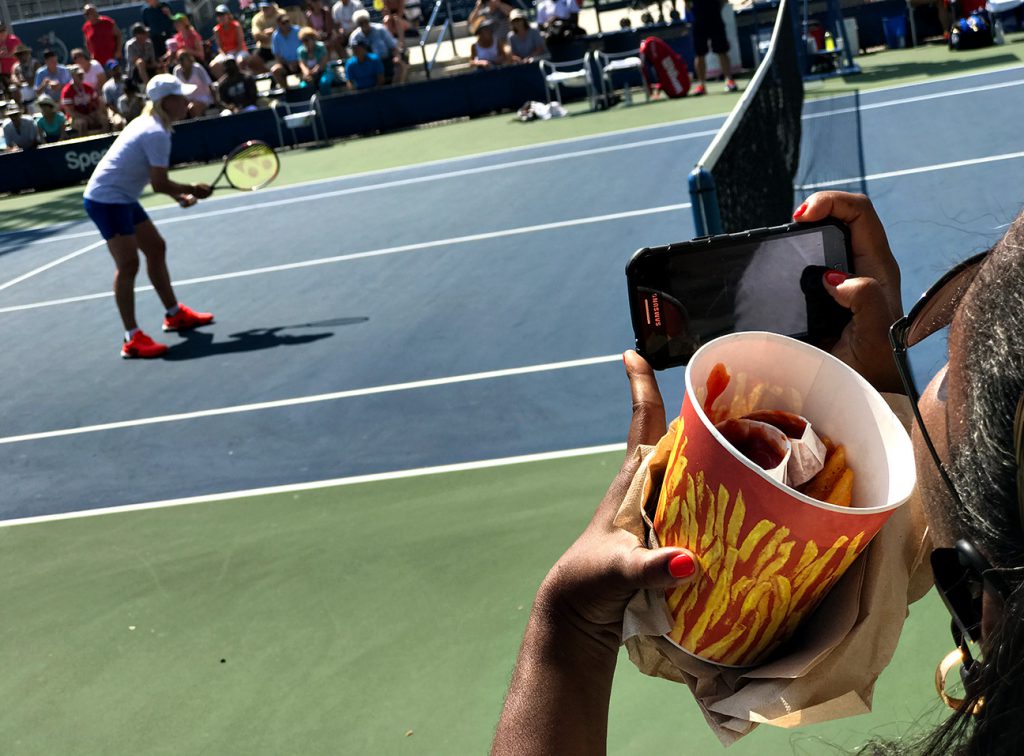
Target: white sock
129	335
173	311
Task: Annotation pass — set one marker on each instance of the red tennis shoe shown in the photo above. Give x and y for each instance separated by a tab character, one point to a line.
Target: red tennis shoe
142	346
186	319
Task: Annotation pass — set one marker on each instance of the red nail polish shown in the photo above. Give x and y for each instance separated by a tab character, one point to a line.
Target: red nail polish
835	277
800	210
681	566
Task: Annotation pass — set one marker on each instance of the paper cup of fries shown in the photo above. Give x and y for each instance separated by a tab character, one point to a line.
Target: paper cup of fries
768	552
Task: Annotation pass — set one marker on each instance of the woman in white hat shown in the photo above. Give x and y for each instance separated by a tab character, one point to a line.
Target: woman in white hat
140	156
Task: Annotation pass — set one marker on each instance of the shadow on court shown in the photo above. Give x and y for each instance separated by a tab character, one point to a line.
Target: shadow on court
198	344
41	220
879	74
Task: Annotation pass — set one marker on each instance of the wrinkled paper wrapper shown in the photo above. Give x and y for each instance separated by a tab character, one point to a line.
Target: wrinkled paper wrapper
828	669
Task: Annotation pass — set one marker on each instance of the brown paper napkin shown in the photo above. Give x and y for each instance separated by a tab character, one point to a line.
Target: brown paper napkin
828	670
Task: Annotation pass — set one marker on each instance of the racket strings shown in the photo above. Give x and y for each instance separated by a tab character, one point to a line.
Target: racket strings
252	167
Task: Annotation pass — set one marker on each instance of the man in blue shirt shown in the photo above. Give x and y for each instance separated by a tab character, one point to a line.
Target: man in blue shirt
51	77
285	45
364	69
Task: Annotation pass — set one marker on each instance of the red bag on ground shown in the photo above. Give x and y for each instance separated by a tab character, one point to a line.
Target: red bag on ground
667	69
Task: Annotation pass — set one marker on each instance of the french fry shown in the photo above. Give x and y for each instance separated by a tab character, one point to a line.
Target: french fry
842	493
819	486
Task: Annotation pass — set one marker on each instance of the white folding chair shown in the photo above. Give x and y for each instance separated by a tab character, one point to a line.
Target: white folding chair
621	62
570	73
293	118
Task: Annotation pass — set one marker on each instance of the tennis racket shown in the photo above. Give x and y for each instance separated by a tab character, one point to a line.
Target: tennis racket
250	166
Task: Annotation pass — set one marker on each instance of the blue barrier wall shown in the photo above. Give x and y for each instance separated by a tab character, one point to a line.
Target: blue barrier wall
64	33
349	114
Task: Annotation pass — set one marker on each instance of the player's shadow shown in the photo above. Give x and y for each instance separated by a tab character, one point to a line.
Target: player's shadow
203	344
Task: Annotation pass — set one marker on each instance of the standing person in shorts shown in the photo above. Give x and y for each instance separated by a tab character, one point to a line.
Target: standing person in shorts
709	27
141	155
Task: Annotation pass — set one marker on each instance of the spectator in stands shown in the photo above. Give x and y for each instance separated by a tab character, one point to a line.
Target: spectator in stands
525	43
488	51
382	44
92	71
8	57
112	90
263	26
140	55
236	89
342	11
285	44
103	39
364	70
81	105
296	14
157	17
23	75
188	39
14	95
314	62
50	120
230	40
131	104
320	20
201	97
551	11
51	78
19	133
395	21
495	11
708	26
139	156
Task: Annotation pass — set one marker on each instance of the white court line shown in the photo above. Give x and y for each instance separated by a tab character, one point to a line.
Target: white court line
485	169
529	161
254	206
313	399
483	464
510	232
371	253
540	145
909	100
54	264
568	140
913	171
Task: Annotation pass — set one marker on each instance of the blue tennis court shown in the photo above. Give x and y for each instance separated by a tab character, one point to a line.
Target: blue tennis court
465	310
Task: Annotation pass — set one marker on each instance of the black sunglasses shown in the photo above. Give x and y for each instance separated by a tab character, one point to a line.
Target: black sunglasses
932	312
961	573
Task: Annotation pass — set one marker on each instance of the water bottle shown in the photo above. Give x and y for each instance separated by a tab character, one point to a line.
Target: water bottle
830	43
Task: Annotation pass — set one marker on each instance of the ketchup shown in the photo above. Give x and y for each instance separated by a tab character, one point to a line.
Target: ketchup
762	444
718	382
790	424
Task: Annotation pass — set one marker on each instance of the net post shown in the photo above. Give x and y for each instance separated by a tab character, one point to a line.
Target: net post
704	203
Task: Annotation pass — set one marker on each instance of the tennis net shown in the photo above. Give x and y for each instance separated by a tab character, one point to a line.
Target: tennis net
745	178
